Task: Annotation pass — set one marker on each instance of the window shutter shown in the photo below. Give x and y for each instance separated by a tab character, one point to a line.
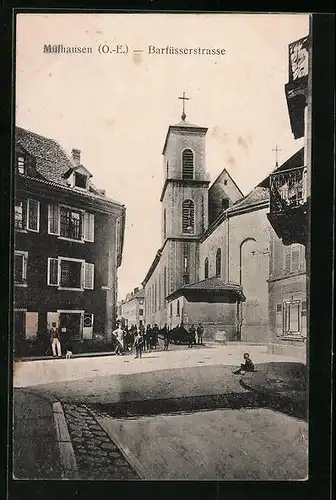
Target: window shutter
53	271
53	219
89	276
287	259
88	227
33	219
24	268
295	259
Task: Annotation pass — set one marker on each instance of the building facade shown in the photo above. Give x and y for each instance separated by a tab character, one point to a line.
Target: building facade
68	244
132	309
220	258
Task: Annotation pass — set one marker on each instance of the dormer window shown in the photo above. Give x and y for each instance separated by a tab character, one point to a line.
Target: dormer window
20	163
80	180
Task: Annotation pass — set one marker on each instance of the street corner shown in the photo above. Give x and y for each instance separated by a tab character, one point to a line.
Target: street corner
97	456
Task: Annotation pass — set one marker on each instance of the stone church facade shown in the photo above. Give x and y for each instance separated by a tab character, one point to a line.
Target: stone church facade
217	252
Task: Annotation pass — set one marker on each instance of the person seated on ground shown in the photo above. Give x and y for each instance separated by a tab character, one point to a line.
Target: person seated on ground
248	366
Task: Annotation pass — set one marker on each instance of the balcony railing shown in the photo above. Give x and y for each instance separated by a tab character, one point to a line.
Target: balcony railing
288	189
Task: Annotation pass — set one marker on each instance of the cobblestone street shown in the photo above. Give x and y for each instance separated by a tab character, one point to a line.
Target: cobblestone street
97	456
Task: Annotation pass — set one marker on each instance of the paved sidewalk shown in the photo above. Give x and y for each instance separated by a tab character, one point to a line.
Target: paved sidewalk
35	448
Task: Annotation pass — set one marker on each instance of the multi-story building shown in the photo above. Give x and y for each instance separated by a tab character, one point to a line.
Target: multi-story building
132	308
68	244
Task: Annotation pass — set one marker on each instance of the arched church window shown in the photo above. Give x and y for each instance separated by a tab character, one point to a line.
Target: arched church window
165	283
218	261
188	216
178	308
206	268
164	223
187	164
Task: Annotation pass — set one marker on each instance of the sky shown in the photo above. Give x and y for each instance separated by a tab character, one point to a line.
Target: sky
116	108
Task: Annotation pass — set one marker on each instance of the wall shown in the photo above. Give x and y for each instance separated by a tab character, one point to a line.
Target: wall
229	236
214	317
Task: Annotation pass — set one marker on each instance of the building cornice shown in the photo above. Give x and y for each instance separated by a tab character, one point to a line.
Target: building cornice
64	194
183	182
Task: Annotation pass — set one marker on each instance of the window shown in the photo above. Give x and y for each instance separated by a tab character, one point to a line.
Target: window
225	203
188	215
21	164
171	310
19	219
187	164
279	308
225	182
185	264
80	180
140	312
206	268
20	267
88	227
70	274
33	219
71	223
218	262
178	308
165	291
164	223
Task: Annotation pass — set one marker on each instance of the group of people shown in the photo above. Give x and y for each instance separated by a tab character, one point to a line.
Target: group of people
192	335
138	339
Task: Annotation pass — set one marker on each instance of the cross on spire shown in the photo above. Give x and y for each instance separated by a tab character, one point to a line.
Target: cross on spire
184	98
276	149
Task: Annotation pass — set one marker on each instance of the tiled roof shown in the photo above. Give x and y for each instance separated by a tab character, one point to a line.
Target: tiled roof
52	162
213	283
258	195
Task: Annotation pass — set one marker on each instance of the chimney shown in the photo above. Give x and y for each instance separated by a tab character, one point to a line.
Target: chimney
76	156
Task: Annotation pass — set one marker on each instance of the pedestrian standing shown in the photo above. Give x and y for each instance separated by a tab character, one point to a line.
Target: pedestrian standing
119	336
138	344
192	336
165	334
155	336
55	340
200	331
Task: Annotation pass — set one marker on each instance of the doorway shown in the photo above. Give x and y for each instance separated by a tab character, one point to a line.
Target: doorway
70	324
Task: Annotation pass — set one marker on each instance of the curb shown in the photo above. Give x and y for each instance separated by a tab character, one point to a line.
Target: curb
280	402
67	456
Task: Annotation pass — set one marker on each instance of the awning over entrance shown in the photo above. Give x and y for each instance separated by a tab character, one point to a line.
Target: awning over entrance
210	290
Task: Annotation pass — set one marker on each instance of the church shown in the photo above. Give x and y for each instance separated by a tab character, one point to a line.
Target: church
215	262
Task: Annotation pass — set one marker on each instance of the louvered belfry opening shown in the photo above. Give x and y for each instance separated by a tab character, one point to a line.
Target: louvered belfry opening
188	216
187	164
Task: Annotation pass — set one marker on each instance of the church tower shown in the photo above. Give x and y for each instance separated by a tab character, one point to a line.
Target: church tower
184	200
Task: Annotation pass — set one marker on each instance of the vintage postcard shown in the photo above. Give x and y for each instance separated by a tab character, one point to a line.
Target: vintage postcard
161	252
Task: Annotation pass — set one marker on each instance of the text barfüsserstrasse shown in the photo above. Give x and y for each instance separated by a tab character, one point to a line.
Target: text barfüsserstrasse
194	51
